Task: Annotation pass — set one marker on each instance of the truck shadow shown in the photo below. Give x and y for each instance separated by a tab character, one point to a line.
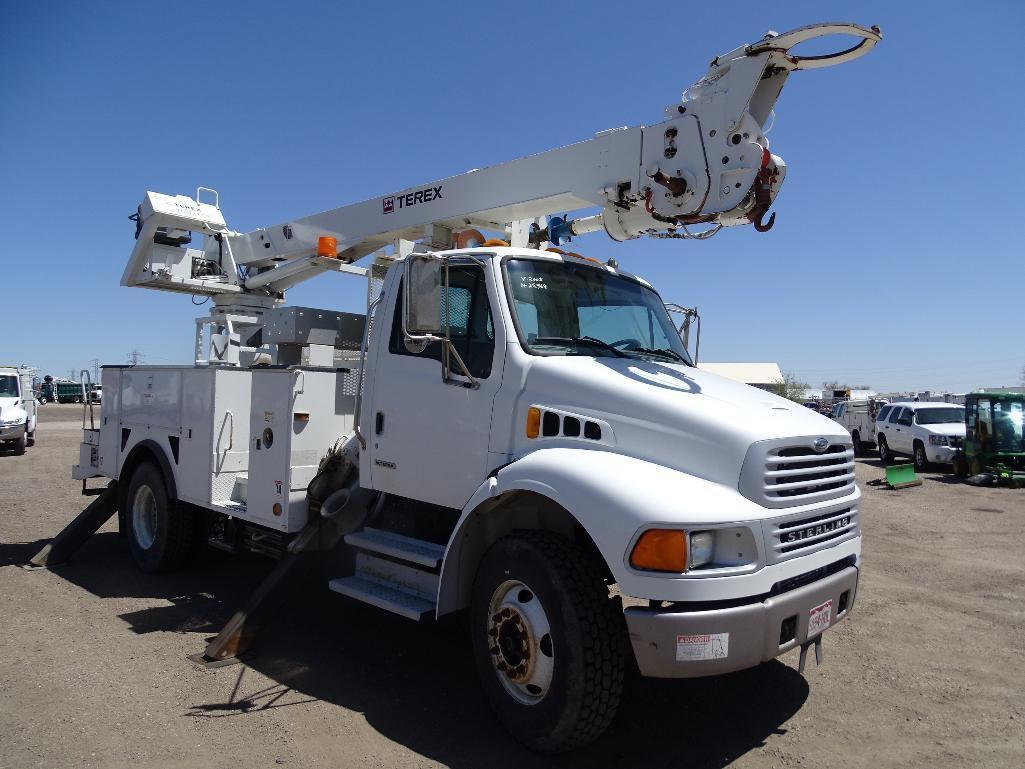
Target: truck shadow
416	683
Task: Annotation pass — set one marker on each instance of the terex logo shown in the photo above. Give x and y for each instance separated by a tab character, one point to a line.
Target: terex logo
411	199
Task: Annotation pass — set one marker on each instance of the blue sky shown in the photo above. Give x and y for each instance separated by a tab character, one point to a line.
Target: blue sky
896	259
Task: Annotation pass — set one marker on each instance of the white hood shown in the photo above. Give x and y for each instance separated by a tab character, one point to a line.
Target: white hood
9	411
951	428
672	414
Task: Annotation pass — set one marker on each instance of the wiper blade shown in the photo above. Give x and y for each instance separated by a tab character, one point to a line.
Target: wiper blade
660	351
594	341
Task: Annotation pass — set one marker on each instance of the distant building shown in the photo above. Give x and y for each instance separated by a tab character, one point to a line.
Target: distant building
767	376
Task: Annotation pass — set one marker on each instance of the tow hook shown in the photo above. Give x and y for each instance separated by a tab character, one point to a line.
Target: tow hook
817	642
756	220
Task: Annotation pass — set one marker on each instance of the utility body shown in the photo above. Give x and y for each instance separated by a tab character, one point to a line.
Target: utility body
508	428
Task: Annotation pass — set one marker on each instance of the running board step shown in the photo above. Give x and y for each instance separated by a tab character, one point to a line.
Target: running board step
404	548
382	596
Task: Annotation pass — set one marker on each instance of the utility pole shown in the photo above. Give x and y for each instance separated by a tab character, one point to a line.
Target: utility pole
96	369
135	356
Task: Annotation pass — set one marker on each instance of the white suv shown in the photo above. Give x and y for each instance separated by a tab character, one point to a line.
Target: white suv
928	432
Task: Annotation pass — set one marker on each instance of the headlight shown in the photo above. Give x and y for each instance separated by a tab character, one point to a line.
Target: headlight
702	548
938	440
13	422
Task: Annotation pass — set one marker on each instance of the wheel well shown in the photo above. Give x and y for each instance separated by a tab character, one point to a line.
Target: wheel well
145	451
494	519
917	442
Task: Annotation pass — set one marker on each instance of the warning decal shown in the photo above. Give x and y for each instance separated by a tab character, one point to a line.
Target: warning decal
702	647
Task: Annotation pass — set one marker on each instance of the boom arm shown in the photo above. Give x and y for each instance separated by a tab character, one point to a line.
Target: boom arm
708	163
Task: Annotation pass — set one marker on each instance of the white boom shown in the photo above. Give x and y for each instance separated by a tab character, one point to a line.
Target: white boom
707	163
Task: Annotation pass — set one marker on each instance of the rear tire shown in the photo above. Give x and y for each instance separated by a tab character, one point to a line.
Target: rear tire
159	529
920	457
548	642
884	451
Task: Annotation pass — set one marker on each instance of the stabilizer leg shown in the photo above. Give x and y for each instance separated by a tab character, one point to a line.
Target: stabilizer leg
74	535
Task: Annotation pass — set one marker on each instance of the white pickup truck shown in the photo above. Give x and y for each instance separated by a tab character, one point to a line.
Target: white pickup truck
17	408
859	419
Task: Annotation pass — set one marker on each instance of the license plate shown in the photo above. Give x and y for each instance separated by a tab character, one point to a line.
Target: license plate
820	618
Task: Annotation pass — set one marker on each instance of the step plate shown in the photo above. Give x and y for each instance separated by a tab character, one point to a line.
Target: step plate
383	597
397	546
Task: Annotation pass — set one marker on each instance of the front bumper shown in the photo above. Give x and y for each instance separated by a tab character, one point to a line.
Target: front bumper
940	454
670	643
12	433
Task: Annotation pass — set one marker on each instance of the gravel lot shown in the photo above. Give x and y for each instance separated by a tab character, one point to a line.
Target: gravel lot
928	672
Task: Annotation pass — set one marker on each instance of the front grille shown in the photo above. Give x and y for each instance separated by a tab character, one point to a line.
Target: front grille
789	472
800	471
796	536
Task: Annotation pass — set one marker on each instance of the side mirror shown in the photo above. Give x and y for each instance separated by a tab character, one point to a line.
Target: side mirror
421	308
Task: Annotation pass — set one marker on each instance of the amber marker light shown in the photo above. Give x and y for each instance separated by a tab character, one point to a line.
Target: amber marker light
533	422
661	550
327	246
276	509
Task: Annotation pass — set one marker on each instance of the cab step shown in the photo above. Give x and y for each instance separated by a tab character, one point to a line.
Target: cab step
397	546
383	596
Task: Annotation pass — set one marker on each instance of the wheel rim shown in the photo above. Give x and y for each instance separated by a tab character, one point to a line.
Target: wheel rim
883	449
920	456
144	517
520	642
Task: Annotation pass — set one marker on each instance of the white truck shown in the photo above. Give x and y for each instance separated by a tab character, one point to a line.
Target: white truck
17	408
509	429
858	417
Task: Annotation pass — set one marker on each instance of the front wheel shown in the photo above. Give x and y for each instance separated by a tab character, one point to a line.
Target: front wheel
159	530
859	449
20	443
921	458
548	642
884	451
30	437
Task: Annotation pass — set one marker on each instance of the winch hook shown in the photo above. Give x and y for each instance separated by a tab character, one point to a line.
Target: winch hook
756	220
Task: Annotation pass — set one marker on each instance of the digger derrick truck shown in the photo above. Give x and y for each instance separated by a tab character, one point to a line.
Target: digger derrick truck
510	428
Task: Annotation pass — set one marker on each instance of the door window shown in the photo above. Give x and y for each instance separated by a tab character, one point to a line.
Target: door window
895	416
469	319
883	413
906	417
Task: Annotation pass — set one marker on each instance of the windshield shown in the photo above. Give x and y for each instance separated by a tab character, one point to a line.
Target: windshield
8	386
573	309
951	415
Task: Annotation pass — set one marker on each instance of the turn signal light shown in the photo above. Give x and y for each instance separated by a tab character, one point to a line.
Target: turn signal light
327	246
661	550
533	422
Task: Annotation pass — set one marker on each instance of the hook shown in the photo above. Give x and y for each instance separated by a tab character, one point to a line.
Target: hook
756	220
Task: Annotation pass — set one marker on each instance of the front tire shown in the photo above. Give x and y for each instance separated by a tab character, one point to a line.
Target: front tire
884	451
30	437
159	530
921	458
857	445
19	444
548	642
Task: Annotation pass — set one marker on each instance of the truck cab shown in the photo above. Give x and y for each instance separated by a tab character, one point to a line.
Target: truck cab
17	409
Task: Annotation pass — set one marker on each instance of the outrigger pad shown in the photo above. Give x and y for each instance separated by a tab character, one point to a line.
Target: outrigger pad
902	477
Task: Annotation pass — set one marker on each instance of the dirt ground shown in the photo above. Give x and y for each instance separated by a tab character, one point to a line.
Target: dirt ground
929	670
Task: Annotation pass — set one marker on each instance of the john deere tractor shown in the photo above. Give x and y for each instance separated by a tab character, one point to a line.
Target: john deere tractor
994	440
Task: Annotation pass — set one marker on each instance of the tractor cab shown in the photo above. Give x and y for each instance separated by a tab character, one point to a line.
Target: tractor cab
994	436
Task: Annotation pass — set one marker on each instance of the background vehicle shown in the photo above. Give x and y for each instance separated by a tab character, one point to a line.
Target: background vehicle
927	432
859	418
993	441
17	408
508	430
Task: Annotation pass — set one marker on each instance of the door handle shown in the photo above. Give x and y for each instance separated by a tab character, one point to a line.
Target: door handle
379	423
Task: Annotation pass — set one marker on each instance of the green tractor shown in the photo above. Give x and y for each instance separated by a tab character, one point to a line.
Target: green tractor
994	441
